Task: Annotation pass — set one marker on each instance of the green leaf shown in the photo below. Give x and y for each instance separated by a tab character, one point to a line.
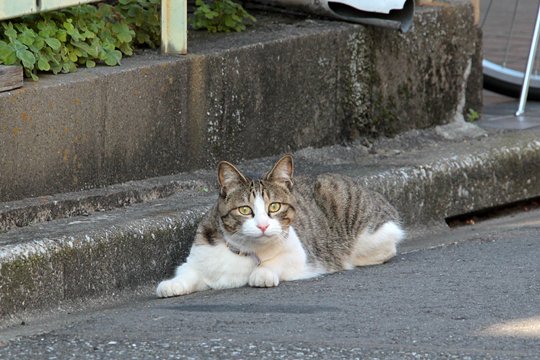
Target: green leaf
126	49
61	35
113	58
46	28
37	45
69	67
123	32
7	54
69	26
72	55
43	64
220	15
27	37
54	44
27	58
87	49
59	41
56	68
10	32
30	74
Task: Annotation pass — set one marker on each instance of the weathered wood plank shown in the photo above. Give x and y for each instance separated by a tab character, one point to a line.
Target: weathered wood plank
11	9
11	77
15	8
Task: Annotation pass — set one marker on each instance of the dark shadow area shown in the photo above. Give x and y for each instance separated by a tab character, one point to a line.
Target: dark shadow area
474	217
252	308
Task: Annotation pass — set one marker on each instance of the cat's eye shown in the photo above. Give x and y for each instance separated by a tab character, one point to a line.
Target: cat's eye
274	207
245	210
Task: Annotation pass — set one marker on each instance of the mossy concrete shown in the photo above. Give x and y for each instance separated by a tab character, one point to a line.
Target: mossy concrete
424	75
287	83
84	256
425	176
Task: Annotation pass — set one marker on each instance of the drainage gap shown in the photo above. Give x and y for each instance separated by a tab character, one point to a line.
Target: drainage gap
475	217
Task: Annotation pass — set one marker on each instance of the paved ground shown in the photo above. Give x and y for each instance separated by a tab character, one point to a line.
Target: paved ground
476	297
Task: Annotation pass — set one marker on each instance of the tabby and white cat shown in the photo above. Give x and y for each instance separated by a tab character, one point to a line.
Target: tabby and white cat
263	231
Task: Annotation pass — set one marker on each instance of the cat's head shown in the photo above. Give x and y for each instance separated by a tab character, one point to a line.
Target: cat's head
255	212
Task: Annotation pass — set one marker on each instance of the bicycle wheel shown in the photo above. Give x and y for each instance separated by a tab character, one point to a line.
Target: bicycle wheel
507	28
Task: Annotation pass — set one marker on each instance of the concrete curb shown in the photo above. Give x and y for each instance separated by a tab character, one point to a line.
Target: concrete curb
425	177
277	84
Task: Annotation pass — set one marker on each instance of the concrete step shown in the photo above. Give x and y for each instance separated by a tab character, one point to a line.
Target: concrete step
287	83
111	248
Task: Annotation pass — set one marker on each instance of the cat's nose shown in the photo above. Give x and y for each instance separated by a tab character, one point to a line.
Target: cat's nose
263	227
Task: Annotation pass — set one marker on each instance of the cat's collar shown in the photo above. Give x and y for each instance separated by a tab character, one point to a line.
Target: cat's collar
243	253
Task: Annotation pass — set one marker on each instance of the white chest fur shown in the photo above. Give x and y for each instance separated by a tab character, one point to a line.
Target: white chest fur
217	267
287	258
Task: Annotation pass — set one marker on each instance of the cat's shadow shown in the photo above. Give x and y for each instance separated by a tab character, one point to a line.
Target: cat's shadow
251	308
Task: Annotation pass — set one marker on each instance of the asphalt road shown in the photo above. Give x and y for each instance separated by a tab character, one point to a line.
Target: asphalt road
476	297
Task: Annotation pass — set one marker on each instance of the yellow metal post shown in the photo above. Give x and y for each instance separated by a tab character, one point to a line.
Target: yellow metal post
174	26
476	7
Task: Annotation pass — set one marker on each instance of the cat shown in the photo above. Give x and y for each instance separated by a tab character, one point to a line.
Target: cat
268	230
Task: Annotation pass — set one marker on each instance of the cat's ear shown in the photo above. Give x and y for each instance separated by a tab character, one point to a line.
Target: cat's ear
282	172
229	177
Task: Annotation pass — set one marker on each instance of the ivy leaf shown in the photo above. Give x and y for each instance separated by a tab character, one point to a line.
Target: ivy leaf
27	37
10	32
37	45
43	64
123	32
87	34
56	68
28	59
113	57
30	74
7	54
72	55
69	67
126	49
68	26
84	35
61	35
46	28
53	43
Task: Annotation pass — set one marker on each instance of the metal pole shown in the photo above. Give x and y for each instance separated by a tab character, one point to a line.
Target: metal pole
530	63
174	26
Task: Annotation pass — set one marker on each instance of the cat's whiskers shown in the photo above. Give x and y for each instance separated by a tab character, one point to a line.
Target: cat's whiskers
314	245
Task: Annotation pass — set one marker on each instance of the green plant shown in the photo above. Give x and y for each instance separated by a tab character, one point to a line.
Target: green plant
472	115
60	41
144	18
85	35
221	16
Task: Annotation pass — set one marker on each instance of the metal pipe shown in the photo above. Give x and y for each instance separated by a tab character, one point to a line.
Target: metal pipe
530	63
174	26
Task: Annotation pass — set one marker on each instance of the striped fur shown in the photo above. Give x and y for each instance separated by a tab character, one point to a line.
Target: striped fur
295	229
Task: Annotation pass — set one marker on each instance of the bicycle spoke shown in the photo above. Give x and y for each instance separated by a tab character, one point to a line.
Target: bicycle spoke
508	41
507	27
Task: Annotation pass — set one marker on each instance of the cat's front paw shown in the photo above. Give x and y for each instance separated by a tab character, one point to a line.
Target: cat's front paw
172	287
263	277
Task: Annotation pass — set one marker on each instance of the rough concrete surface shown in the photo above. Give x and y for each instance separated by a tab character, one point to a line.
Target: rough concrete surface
287	83
477	298
102	252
